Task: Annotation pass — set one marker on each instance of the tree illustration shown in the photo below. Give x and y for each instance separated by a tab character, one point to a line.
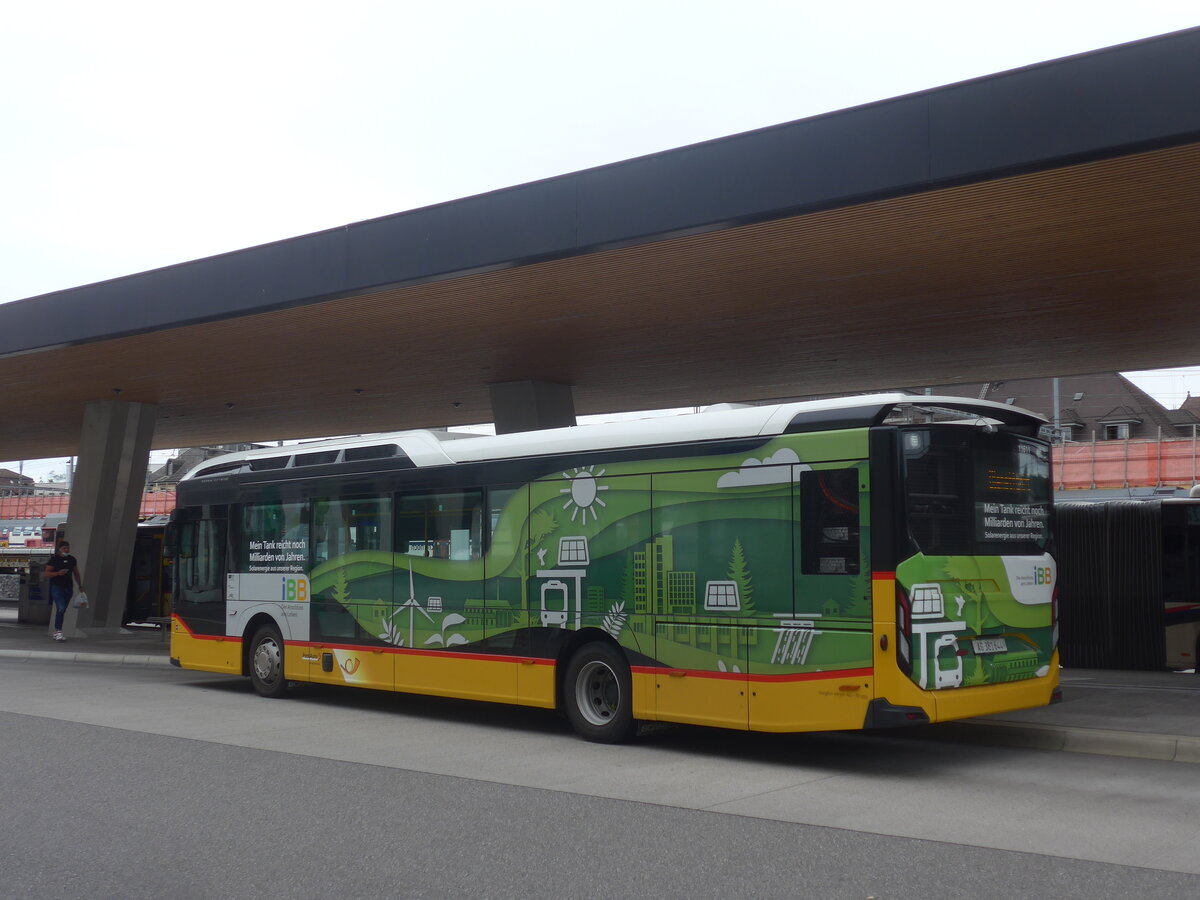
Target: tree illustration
977	614
341	588
541	525
982	614
739	572
859	606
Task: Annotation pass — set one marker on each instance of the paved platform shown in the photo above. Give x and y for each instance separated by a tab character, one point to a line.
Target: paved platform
147	646
1151	715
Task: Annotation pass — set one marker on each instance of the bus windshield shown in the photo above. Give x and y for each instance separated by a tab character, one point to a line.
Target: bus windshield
972	493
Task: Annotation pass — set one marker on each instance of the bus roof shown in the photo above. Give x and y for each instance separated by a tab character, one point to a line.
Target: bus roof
438	448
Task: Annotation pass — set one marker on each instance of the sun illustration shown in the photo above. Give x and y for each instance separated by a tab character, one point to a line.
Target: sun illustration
584	493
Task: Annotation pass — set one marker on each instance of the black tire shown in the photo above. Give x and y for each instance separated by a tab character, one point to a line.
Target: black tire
266	663
598	694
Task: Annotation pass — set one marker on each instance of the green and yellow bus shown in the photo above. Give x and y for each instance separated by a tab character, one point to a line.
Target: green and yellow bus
854	563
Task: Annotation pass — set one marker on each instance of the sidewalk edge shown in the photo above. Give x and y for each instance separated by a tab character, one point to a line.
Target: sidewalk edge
120	659
1073	739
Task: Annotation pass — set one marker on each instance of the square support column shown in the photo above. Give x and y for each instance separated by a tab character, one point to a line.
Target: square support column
531	405
106	499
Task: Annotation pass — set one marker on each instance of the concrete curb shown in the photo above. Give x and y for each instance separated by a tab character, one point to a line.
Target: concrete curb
1072	739
120	659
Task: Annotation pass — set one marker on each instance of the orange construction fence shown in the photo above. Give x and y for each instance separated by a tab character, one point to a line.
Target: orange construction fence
156	503
1117	464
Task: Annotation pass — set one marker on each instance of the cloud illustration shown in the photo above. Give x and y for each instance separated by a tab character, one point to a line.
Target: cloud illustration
772	470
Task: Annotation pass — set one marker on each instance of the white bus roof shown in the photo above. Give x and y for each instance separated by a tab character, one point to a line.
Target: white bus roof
435	448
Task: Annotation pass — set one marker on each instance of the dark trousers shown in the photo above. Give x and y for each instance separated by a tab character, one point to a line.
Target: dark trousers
61	598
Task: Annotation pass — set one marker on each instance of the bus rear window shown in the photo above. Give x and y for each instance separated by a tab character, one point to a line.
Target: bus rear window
969	492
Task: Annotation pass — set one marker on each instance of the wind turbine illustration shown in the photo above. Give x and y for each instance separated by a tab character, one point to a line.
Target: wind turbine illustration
412	605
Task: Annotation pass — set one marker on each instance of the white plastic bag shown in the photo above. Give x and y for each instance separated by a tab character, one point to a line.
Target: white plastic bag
81	600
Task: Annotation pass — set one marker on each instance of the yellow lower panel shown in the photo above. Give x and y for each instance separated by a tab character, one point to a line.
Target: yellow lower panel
207	654
468	677
535	684
644	707
296	664
827	704
697	700
367	668
521	681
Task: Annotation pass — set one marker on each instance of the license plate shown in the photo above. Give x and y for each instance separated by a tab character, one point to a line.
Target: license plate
989	645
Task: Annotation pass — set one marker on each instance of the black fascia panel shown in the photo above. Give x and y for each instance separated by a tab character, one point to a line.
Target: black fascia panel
514	226
259	279
1143	94
801	166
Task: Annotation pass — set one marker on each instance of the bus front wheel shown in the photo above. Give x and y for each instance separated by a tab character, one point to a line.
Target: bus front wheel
598	694
266	662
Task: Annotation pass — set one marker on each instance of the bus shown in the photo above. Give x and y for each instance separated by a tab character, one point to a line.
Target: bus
1130	578
862	562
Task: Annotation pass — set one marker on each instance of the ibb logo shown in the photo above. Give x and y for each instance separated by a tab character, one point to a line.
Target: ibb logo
1043	575
294	590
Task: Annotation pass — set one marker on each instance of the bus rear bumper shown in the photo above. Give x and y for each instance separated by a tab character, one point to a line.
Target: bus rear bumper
883	714
964	703
906	704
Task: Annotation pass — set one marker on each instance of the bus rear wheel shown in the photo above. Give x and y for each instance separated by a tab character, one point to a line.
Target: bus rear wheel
598	694
266	662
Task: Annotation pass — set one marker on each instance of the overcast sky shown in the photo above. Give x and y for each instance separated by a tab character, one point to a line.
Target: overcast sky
142	134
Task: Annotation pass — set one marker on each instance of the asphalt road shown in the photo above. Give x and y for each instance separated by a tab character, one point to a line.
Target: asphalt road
132	782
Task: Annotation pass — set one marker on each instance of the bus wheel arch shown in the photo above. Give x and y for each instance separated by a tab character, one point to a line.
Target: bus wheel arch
596	689
567	649
262	657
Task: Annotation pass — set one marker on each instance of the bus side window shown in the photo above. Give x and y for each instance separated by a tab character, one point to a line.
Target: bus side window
442	526
347	526
498	501
829	522
201	562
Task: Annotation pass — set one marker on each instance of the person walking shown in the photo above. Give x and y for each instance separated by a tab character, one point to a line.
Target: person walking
61	568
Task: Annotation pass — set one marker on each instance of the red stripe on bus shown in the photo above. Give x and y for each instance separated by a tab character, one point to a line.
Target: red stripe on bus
204	637
816	676
883	576
417	651
742	676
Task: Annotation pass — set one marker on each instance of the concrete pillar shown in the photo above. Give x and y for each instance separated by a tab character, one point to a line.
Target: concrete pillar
531	405
105	501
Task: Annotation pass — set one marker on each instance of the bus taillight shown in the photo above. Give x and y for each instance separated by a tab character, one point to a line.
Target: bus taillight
903	629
